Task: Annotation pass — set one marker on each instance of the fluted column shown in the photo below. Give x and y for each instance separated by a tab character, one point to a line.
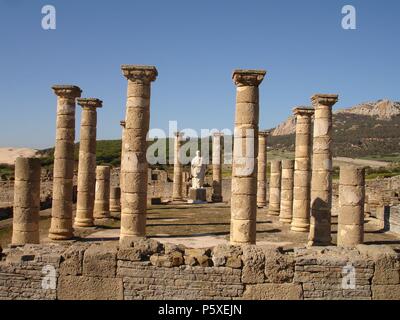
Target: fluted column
217	164
285	215
321	181
275	188
177	183
262	169
245	151
302	170
134	163
102	196
63	172
26	201
351	206
87	162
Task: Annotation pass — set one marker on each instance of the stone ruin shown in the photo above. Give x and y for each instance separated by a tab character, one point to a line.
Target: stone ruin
300	193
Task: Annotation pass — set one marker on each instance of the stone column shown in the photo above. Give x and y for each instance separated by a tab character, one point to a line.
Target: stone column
262	169
63	172
26	201
321	181
217	164
275	188
102	196
115	199
245	151
177	183
302	170
134	162
87	162
351	206
287	191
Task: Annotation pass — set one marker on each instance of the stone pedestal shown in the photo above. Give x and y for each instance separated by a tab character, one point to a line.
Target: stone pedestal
26	201
351	206
262	169
63	172
321	181
178	177
302	170
87	163
134	162
285	215
217	163
197	195
245	151
275	188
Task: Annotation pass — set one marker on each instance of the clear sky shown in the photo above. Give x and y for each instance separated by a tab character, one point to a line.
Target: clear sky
195	46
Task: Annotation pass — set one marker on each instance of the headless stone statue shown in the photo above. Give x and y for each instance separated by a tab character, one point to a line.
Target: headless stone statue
198	170
197	194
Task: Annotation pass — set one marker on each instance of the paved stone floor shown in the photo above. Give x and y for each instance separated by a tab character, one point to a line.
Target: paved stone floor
203	225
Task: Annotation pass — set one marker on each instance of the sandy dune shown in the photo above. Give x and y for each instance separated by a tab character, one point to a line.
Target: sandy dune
8	155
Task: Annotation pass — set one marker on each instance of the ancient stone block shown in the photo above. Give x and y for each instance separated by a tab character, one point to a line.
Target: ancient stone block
272	291
100	260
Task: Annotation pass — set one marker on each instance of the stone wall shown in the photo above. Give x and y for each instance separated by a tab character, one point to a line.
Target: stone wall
150	270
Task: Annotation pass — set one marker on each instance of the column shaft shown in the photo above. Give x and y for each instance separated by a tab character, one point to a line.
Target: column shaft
102	195
115	199
275	188
321	181
244	168
87	163
262	170
134	163
287	191
26	201
302	170
351	211
217	164
178	177
63	171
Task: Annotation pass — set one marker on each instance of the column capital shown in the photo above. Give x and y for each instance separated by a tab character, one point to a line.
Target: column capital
139	73
218	134
67	91
248	77
90	102
324	99
303	111
264	133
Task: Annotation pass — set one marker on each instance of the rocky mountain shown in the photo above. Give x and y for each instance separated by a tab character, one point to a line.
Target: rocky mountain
368	129
384	110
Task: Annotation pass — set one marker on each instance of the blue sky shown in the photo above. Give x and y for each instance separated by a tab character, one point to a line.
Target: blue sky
195	46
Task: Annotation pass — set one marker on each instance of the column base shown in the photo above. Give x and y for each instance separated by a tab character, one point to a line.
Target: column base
273	212
83	223
299	226
60	235
318	243
261	204
115	209
285	220
216	198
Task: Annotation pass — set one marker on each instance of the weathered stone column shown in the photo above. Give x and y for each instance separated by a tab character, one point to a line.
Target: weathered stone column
245	151
351	206
275	188
287	191
217	164
177	182
26	201
302	170
102	196
63	172
134	162
321	181
87	162
262	169
115	199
